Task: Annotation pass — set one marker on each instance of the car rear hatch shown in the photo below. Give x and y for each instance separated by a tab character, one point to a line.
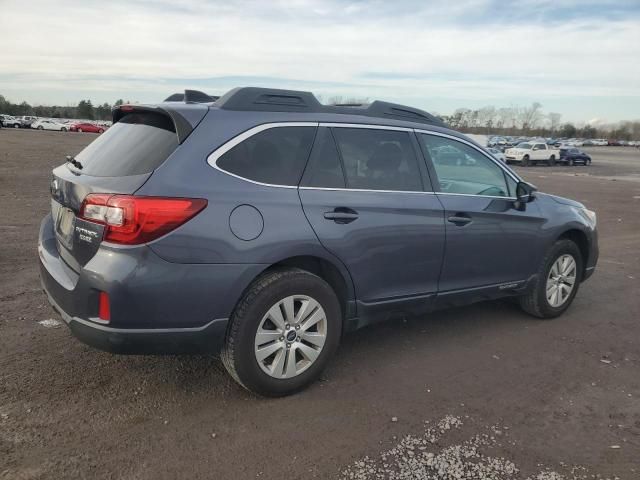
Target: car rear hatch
120	161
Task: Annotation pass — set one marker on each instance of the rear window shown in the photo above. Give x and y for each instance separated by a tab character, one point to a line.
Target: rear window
135	145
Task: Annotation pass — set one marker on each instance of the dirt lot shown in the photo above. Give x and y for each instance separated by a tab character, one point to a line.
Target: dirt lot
501	391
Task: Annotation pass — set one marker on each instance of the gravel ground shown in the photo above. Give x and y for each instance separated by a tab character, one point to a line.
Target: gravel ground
476	392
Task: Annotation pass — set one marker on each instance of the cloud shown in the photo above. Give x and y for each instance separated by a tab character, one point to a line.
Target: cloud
475	50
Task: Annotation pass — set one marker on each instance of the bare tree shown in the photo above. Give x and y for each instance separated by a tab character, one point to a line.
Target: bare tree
530	116
554	120
460	118
487	116
340	100
507	117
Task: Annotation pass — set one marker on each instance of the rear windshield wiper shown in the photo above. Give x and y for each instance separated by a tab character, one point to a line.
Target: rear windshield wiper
74	162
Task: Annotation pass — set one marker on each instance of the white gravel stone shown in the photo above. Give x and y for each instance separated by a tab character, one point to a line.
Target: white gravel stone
422	457
49	323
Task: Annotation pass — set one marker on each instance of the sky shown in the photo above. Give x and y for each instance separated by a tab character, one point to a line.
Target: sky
580	58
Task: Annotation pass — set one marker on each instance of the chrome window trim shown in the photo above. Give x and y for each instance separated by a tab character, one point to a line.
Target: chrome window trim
475	195
403	191
365	190
213	157
365	126
486	154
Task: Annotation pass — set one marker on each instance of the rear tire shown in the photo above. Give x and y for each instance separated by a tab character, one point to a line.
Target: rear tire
63	129
525	161
40	127
259	325
79	130
15	125
552	160
537	301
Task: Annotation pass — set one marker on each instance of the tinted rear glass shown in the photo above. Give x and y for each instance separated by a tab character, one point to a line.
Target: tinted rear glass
275	156
378	159
137	144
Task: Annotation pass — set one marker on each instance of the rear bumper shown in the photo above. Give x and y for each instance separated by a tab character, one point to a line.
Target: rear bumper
206	339
156	306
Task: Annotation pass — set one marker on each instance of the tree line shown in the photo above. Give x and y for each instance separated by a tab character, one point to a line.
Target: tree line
85	109
514	120
532	121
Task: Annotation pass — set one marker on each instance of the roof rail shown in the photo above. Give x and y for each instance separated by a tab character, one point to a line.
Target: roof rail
191	96
276	100
269	100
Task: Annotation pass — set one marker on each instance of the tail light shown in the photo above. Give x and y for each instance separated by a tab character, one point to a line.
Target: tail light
131	220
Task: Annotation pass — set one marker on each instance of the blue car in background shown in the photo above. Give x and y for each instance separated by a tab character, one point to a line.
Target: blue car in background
263	226
573	156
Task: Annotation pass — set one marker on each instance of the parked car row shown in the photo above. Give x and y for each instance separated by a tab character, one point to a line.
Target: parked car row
504	143
532	153
56	124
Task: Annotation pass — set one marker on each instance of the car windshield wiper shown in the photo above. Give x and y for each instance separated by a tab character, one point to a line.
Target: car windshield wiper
74	162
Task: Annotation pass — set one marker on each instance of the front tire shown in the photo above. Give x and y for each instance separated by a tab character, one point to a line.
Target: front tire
63	129
40	127
282	333
525	161
557	281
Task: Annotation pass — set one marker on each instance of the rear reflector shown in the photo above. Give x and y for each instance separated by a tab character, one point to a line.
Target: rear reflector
131	220
104	309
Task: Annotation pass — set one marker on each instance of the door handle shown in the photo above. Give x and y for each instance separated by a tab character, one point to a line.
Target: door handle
459	219
341	215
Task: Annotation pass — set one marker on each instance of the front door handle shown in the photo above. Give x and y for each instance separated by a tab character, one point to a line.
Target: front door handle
459	219
341	215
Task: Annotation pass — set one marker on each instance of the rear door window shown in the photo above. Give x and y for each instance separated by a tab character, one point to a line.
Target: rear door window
377	159
139	143
276	156
324	169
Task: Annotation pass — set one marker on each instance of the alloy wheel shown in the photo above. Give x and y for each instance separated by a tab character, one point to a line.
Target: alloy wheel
290	336
561	280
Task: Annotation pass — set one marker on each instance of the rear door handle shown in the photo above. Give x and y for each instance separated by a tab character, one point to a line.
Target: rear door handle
341	215
459	219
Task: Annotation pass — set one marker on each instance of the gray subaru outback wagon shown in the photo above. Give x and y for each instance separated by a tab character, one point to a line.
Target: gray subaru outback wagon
264	225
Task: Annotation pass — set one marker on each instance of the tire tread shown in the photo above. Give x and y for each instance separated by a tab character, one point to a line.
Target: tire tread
262	283
530	302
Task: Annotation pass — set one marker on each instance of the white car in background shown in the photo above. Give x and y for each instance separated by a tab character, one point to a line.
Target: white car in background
530	153
49	125
9	121
497	154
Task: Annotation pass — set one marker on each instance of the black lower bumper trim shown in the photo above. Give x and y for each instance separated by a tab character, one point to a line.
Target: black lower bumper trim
167	341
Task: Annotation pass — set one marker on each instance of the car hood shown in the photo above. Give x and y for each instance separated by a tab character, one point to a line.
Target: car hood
562	200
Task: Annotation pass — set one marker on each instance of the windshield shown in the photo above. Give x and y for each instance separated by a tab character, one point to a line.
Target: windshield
526	146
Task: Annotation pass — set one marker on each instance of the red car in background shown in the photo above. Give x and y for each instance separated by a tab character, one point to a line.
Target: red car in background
86	127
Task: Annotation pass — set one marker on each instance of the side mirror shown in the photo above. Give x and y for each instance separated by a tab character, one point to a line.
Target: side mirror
525	192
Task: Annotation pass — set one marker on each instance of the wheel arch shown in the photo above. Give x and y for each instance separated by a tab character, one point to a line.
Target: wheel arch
336	276
580	238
